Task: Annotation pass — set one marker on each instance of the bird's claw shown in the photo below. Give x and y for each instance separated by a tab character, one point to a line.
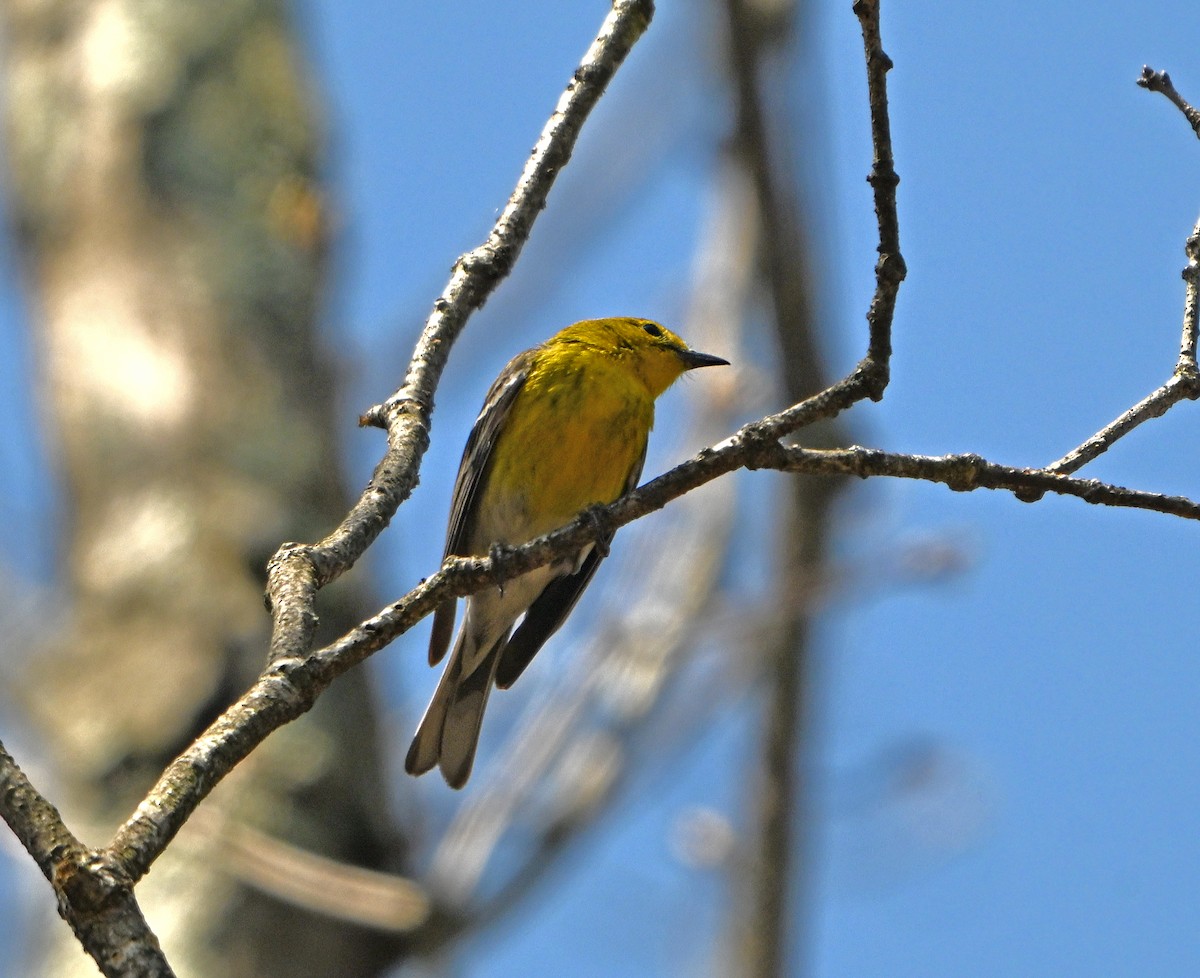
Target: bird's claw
597	519
497	552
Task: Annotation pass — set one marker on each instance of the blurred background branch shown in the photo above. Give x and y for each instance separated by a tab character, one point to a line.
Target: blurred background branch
761	39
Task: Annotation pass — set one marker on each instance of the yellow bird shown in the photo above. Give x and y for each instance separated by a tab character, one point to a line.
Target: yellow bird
564	427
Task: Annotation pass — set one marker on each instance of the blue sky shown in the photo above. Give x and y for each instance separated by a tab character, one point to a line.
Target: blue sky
1006	758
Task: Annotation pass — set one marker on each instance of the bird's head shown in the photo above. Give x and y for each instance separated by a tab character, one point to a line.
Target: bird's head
655	354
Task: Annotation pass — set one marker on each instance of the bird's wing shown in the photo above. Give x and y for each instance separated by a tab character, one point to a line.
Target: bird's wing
546	615
473	471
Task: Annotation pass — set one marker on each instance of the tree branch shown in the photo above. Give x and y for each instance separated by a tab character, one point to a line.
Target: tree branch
103	881
1184	383
296	572
1160	81
33	820
890	270
94	895
290	687
966	473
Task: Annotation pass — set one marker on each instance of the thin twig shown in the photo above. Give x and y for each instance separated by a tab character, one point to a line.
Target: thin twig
1180	387
1184	383
1160	81
890	270
966	473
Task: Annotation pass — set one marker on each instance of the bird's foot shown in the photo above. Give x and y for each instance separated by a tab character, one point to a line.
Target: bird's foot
597	519
497	552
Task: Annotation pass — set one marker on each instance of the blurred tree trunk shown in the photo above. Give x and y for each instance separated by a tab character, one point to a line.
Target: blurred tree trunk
769	919
163	163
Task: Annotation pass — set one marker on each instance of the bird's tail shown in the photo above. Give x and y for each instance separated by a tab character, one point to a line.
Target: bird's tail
449	731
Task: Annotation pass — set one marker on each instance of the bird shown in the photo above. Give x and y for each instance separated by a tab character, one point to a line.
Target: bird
563	428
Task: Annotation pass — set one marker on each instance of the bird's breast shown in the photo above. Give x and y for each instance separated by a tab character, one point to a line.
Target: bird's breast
570	442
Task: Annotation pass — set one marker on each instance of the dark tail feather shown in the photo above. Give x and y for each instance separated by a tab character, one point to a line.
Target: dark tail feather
442	631
543	619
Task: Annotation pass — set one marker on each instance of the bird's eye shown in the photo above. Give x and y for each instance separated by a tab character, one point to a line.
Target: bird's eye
652	328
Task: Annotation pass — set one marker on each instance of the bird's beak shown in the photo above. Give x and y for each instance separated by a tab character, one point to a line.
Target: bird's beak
691	359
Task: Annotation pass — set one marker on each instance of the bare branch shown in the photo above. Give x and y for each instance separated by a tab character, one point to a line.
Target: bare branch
1160	81
1181	386
94	895
33	820
296	572
966	473
290	687
1184	383
366	897
297	676
890	270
